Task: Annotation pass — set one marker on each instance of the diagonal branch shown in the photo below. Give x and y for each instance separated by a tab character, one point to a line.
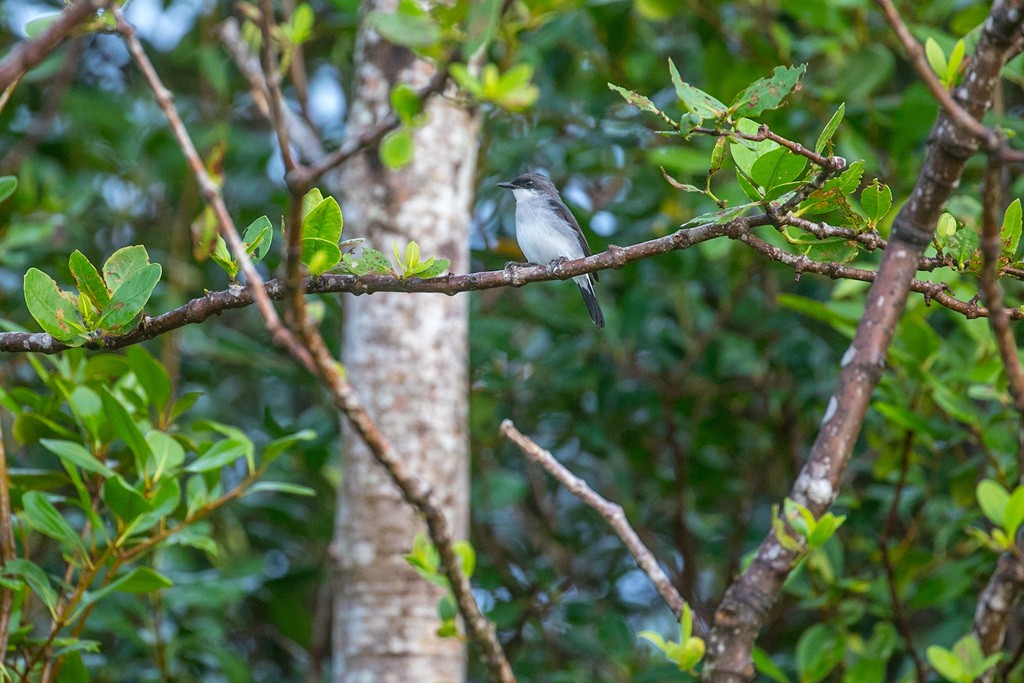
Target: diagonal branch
915	52
28	53
611	513
1001	594
746	603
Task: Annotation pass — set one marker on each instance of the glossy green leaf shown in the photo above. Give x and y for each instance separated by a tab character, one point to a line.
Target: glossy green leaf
696	101
88	279
993	499
768	93
36	579
830	129
124	500
936	57
415	31
122	264
273	450
126	429
876	199
258	238
947	664
1011	231
222	453
168	454
42	516
319	255
280	487
130	298
777	167
405	103
77	455
8	184
55	310
396	148
746	152
36	26
310	201
818	651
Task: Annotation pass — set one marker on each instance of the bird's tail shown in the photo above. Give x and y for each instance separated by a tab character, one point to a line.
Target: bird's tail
590	299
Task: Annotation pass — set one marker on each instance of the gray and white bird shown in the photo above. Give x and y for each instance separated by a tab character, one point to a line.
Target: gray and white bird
548	233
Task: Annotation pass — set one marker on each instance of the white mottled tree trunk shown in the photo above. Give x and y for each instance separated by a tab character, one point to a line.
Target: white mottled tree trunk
406	355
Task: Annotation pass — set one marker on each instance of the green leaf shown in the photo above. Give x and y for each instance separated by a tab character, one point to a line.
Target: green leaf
956	58
168	454
1010	234
222	453
8	184
396	148
636	99
258	236
223	258
435	268
122	264
1013	513
654	638
415	31
465	80
302	23
405	103
324	222
42	516
696	101
138	580
310	201
467	555
282	487
993	500
319	255
130	298
830	129
963	245
777	167
876	199
36	579
77	455
126	429
55	310
184	403
151	375
481	24
946	227
279	446
746	152
818	651
768	93
946	664
89	281
936	57
39	24
126	502
766	667
370	261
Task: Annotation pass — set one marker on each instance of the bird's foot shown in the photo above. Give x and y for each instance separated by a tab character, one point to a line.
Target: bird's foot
556	264
514	264
511	271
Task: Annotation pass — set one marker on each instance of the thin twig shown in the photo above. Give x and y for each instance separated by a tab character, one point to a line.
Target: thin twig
7	548
991	138
612	513
28	53
1002	592
211	192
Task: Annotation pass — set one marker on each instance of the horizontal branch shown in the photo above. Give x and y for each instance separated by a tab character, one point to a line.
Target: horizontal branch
236	296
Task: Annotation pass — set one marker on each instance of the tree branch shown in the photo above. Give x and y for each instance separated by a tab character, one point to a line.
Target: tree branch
1002	592
202	308
28	53
746	603
611	513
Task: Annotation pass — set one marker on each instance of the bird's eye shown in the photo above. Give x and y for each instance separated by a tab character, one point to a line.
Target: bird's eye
529	183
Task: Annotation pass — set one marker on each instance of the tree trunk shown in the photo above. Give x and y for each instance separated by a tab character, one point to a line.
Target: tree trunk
407	357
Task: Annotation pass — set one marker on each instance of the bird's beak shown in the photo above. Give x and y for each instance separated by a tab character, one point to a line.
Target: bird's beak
507	186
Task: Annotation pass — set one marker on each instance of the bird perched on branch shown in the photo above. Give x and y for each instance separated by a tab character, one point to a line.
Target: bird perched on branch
548	233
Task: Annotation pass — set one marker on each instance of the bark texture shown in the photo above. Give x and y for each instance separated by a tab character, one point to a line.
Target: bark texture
407	357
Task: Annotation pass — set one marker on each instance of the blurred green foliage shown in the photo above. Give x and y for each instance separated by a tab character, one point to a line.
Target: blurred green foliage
693	409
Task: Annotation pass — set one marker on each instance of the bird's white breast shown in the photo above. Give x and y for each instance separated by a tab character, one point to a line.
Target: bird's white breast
542	234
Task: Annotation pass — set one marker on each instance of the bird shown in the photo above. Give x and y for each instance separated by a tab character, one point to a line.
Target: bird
548	233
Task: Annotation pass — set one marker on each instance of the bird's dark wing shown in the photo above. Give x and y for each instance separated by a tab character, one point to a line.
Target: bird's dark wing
562	210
